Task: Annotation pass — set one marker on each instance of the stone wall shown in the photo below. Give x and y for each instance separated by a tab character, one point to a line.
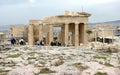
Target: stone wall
70	22
107	30
19	31
2	37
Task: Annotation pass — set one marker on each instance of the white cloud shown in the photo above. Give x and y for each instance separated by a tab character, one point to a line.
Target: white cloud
32	1
101	10
89	2
101	1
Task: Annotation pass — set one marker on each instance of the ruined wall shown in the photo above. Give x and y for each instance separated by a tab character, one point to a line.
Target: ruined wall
76	20
106	29
91	36
2	37
19	31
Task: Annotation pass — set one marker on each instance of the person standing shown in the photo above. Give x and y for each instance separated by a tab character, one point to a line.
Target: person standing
12	39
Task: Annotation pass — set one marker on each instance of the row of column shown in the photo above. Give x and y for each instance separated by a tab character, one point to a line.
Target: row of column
65	34
31	34
103	34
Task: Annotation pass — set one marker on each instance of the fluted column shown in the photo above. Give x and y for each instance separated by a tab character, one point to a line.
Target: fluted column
63	34
66	33
31	35
85	34
40	32
59	37
47	38
76	34
50	33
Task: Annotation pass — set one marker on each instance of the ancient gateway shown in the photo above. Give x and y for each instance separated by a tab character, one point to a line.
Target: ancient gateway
72	25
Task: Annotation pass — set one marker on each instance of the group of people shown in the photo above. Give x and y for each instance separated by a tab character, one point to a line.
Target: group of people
55	43
40	42
13	40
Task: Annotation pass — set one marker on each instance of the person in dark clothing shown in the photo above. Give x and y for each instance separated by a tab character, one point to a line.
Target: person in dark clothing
42	43
12	39
21	41
51	44
59	44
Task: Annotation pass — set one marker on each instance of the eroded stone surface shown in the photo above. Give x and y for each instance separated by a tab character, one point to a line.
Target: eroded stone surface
91	60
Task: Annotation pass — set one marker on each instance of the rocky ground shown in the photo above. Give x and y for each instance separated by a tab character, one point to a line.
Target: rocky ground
47	60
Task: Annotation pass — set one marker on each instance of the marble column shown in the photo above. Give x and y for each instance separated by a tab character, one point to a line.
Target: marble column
51	33
84	33
63	34
47	38
66	34
59	37
31	35
76	34
40	32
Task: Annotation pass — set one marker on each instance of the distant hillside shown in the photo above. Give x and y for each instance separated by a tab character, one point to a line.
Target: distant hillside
2	27
112	23
117	21
6	28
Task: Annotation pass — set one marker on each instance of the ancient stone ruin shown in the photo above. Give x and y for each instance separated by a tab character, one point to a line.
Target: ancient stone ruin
72	24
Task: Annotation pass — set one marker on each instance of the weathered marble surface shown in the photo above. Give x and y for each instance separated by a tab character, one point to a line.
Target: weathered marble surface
30	60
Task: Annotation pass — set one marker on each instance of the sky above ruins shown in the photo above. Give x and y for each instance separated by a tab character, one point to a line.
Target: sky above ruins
21	11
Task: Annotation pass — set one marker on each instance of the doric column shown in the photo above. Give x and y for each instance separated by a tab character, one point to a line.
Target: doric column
63	34
76	34
47	38
85	34
66	33
31	35
59	37
50	33
40	32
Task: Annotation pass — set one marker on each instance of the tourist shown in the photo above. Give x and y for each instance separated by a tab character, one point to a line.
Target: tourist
59	44
38	42
12	39
51	44
42	43
21	41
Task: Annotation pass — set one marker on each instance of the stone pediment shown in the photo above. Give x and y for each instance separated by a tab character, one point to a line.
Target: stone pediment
64	18
68	17
74	14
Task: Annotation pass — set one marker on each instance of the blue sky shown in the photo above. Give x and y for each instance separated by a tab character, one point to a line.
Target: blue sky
21	11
